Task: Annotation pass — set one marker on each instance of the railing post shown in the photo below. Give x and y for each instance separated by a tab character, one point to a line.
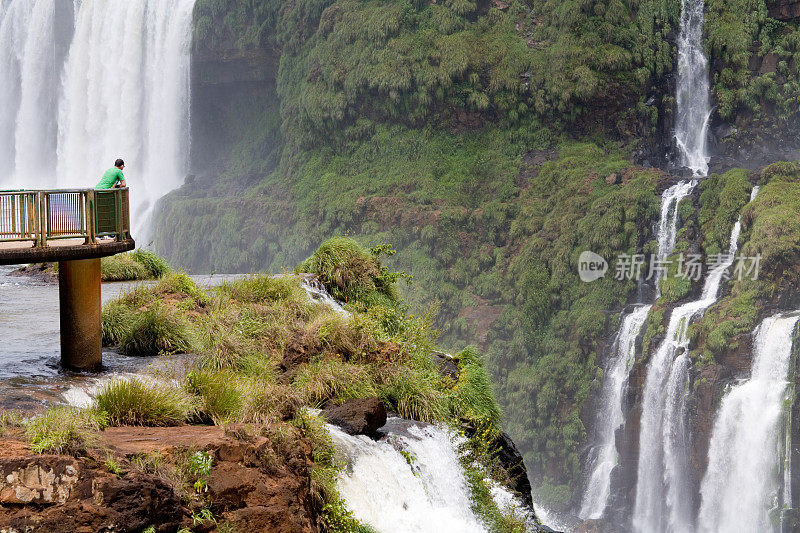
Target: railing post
90	223
118	206
30	215
41	221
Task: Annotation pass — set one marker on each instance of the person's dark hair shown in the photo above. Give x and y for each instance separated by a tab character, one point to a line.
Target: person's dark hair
119	163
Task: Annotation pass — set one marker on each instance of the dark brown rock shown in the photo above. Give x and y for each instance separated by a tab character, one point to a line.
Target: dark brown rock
358	417
769	64
784	9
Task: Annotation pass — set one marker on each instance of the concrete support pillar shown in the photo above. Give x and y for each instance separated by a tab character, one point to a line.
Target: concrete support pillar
79	297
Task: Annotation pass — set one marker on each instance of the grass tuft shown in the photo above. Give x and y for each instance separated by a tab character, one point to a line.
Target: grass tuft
65	430
137	265
154	331
330	379
138	403
351	273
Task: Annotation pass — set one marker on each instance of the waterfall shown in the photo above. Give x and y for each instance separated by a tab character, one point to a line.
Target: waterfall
668	222
663	501
742	481
693	107
410	480
610	417
88	81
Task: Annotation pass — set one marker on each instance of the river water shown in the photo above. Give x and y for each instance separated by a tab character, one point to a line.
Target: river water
30	374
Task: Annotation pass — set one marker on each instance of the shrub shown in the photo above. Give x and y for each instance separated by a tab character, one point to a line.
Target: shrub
350	273
136	402
65	430
154	331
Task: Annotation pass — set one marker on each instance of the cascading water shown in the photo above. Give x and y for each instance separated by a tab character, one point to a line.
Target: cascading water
663	501
85	82
693	107
410	480
610	416
742	481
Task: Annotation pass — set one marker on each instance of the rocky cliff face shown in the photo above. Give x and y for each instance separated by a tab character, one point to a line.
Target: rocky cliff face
44	493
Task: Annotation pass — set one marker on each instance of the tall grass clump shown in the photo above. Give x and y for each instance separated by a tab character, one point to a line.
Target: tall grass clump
351	273
154	331
331	379
219	394
259	288
137	265
413	394
122	267
65	430
115	320
136	402
472	396
156	265
180	285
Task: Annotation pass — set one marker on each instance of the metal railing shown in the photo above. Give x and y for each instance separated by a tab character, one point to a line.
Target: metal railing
39	216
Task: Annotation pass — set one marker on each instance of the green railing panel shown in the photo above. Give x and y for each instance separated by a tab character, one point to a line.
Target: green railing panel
41	215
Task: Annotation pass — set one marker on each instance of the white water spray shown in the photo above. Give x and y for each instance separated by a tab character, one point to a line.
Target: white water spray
663	496
610	416
693	107
742	481
116	86
420	490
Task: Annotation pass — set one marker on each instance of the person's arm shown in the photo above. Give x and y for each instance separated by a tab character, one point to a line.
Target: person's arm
123	184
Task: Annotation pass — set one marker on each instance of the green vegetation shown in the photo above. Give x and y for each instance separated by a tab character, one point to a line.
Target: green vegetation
142	325
267	352
722	199
770	231
64	430
136	402
137	265
352	275
440	127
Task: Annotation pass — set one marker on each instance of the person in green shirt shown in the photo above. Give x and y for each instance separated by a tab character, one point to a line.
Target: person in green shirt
113	177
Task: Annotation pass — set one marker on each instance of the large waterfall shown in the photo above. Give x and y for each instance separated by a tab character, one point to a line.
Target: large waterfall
742	481
86	81
410	480
610	416
693	107
663	501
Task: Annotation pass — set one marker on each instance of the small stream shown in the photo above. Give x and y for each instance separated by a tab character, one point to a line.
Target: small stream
30	374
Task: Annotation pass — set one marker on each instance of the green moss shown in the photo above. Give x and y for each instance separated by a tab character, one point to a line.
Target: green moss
722	199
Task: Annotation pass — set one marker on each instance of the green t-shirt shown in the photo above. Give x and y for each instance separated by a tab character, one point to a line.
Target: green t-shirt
110	178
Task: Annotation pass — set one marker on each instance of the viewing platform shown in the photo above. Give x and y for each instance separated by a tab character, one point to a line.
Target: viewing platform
63	225
74	227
